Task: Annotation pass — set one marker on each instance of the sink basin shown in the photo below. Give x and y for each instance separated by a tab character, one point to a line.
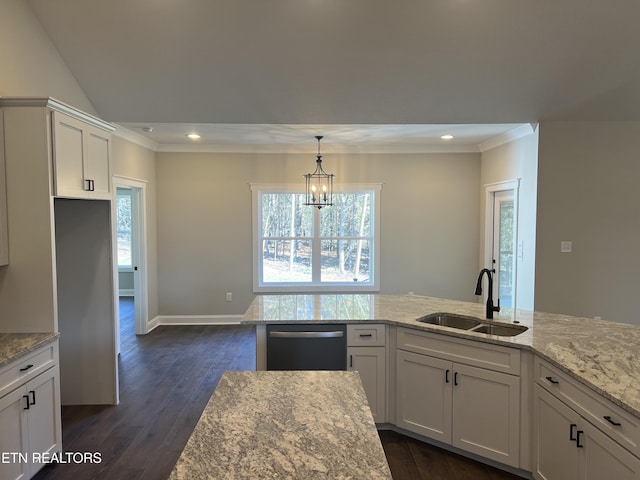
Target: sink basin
452	321
503	330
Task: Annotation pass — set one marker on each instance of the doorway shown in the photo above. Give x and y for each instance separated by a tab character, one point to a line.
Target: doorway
501	240
130	235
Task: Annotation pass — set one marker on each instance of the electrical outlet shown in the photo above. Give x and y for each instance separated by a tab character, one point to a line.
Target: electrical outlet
229	296
566	247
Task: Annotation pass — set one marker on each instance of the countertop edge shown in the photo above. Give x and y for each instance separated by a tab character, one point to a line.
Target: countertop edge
35	340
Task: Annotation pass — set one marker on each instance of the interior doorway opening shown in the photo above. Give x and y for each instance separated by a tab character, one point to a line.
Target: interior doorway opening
130	239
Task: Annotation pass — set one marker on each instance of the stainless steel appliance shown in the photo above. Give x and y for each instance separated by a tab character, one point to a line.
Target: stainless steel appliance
306	347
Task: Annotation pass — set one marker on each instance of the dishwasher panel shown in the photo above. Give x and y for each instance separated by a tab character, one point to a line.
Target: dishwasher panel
306	347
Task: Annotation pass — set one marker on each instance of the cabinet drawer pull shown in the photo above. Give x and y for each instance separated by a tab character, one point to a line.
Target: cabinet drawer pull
578	437
24	369
552	380
611	421
33	396
572	433
362	335
446	376
350	361
26	407
455	378
88	189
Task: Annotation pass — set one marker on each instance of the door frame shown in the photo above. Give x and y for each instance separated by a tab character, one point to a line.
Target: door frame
138	251
490	191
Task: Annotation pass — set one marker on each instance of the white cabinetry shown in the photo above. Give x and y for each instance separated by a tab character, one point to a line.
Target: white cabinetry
445	395
81	159
366	353
4	235
578	434
29	412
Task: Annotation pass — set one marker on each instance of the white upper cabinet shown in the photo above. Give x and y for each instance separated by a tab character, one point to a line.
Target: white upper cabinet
81	159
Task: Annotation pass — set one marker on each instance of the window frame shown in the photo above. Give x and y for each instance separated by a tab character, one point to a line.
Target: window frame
293	287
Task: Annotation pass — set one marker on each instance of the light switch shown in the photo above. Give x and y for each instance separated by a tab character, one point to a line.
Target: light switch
566	247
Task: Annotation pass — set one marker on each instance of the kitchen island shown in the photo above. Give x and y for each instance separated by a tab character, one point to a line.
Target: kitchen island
285	425
601	354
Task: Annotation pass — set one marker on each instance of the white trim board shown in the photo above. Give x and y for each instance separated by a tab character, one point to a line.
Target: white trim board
197	320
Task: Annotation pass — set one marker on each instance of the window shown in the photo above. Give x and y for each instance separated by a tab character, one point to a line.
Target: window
301	248
123	205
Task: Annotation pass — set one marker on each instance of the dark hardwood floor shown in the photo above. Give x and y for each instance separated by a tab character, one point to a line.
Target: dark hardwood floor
166	379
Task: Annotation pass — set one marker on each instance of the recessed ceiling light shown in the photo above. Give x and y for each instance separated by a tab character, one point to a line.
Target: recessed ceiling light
193	136
446	137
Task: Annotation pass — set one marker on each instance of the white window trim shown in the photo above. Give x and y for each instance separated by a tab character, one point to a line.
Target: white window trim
256	188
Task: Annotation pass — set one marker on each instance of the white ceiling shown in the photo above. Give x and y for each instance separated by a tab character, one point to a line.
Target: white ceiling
377	65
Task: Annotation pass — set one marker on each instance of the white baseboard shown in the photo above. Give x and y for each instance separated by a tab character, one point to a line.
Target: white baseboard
198	319
125	292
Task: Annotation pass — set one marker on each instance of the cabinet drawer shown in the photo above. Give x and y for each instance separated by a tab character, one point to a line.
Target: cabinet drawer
363	334
23	369
478	354
592	406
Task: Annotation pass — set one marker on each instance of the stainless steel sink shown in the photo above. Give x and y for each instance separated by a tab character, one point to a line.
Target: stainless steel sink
448	320
502	330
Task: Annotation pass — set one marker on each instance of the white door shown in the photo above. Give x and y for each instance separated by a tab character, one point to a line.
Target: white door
501	243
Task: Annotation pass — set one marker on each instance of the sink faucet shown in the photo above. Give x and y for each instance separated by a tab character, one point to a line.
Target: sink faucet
490	307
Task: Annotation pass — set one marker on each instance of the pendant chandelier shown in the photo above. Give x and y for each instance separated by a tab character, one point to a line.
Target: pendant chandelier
319	191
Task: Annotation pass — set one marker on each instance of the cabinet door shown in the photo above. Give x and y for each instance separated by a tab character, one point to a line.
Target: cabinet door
370	364
68	156
555	426
99	163
4	233
13	436
423	395
43	416
604	458
486	413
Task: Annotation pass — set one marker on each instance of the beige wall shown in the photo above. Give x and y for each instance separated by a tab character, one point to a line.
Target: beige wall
429	222
31	66
517	159
588	194
139	163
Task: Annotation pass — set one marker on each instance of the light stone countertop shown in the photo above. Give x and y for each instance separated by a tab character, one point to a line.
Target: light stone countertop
285	425
601	354
15	345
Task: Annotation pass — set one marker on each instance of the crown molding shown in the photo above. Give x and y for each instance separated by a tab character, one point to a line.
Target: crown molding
507	137
136	138
57	106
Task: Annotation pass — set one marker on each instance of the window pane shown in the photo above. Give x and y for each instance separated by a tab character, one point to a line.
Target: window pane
284	215
124	230
344	261
348	217
286	260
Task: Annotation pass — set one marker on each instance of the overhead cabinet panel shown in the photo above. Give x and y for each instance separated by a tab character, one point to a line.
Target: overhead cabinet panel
81	159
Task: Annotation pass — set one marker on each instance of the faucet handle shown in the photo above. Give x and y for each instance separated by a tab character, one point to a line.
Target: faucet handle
497	307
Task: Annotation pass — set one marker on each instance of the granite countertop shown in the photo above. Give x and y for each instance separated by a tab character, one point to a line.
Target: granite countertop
601	354
271	424
15	345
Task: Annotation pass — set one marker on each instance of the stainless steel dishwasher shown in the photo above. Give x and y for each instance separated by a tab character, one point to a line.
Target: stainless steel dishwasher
306	347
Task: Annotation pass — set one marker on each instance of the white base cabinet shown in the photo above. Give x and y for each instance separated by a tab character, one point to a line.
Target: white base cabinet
567	445
366	353
471	408
29	414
